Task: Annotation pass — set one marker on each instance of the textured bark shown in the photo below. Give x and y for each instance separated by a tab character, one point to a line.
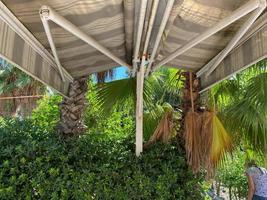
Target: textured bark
71	109
186	99
186	102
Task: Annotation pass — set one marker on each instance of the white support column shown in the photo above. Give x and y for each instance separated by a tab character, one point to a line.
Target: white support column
139	110
67	25
139	36
211	66
140	84
237	14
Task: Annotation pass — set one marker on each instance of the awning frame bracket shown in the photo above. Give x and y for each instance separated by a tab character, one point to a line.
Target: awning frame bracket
44	14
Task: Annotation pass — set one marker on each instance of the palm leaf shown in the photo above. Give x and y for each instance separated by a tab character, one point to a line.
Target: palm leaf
159	122
117	92
221	142
250	121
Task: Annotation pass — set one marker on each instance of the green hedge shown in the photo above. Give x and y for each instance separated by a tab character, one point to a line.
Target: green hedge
36	164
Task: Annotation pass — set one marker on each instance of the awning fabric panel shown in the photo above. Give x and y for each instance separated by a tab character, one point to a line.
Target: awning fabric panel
193	18
113	23
249	52
108	22
15	50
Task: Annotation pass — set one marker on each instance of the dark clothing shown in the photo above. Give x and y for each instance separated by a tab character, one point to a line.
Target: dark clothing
256	197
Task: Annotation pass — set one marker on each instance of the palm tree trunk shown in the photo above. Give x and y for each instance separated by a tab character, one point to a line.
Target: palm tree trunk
186	101
71	109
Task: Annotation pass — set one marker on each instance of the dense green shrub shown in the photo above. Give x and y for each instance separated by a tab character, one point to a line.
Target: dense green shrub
231	175
36	164
46	115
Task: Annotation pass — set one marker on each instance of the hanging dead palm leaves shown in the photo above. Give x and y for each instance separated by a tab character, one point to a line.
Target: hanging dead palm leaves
164	129
192	133
206	140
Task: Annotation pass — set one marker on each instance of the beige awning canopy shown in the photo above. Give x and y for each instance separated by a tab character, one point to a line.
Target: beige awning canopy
186	36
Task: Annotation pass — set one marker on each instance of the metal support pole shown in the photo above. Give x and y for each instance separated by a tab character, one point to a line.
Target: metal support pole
139	35
139	110
159	35
140	84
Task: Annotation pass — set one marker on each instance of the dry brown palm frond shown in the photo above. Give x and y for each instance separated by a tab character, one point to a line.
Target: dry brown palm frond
206	138
192	140
163	131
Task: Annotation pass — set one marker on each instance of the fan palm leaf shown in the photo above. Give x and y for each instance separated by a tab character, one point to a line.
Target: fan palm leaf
245	110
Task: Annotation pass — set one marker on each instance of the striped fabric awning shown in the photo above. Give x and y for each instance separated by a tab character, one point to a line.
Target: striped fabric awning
113	24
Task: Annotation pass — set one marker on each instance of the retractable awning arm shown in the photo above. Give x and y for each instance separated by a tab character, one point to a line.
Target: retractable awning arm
47	13
253	5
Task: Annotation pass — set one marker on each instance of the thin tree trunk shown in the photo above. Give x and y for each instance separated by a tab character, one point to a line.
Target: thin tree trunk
71	109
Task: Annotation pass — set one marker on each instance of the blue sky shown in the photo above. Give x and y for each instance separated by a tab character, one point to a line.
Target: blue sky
119	73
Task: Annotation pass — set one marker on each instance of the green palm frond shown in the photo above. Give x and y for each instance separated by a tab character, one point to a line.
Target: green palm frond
256	90
243	106
174	82
247	119
151	120
12	79
117	92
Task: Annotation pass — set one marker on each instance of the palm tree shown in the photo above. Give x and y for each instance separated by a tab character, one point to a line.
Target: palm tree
14	82
71	121
173	87
161	98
